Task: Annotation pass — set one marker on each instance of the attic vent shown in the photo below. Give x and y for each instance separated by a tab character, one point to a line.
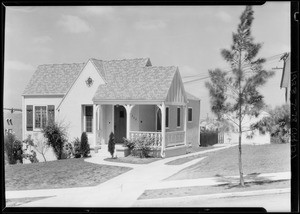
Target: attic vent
148	63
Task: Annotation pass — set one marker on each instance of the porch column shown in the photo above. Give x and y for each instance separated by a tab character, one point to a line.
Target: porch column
163	128
185	122
128	114
95	123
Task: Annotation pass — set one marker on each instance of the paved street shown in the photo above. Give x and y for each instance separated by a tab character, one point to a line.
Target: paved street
271	202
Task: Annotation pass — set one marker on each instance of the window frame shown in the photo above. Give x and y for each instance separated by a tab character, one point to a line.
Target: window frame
84	118
34	114
190	108
167	116
178	118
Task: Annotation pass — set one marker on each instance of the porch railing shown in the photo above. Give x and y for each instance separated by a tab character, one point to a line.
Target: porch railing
155	135
175	138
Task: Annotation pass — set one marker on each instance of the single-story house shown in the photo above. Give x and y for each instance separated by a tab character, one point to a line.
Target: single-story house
129	97
232	137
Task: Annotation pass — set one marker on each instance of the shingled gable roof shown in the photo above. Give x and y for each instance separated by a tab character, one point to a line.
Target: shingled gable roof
146	83
53	79
57	79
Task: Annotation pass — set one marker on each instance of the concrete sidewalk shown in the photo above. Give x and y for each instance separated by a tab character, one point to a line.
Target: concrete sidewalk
217	180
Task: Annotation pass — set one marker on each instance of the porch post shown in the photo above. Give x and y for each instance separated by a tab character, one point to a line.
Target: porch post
128	113
95	123
163	128
185	122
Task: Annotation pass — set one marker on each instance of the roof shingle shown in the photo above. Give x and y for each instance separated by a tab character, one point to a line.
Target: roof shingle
53	79
144	83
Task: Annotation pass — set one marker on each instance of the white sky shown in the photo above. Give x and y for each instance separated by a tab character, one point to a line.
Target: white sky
189	37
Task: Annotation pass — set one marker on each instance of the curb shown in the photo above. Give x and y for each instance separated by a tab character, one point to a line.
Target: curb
216	196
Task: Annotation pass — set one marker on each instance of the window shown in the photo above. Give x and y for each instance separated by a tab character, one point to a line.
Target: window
89	118
167	117
178	117
40	116
190	114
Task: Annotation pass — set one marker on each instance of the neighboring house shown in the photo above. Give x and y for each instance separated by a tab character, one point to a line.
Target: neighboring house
13	122
128	97
233	137
286	74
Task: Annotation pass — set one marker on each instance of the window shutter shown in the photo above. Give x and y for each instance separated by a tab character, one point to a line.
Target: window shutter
29	116
51	114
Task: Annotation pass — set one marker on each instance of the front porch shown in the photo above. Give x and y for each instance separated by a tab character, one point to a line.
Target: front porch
132	121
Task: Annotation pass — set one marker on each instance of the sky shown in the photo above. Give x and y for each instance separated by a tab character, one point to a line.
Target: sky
190	37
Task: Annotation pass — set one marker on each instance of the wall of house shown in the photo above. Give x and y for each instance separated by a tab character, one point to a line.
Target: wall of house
232	137
36	133
135	118
147	118
193	131
106	123
173	119
38	101
80	94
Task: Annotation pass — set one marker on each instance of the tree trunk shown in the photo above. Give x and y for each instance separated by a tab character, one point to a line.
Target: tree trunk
240	124
240	160
44	157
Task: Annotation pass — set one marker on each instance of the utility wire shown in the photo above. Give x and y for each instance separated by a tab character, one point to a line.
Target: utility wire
268	60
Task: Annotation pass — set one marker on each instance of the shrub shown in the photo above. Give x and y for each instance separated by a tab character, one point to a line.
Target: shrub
28	153
76	148
111	144
84	145
278	124
67	151
128	143
56	137
13	149
141	146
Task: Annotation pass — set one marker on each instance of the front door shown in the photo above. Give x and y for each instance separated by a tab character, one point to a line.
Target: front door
120	123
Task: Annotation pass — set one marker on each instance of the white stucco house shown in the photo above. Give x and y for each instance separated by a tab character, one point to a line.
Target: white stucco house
128	97
256	139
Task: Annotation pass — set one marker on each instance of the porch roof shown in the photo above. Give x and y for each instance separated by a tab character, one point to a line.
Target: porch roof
139	84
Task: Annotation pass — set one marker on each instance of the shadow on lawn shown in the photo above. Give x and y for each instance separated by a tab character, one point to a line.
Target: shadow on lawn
253	180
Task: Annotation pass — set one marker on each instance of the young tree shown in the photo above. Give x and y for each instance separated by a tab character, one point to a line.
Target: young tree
84	145
41	146
234	94
111	144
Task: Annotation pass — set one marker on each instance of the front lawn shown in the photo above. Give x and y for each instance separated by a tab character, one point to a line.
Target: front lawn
58	174
255	158
132	159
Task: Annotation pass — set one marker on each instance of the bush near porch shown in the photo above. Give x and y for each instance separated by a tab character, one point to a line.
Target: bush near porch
65	173
143	147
